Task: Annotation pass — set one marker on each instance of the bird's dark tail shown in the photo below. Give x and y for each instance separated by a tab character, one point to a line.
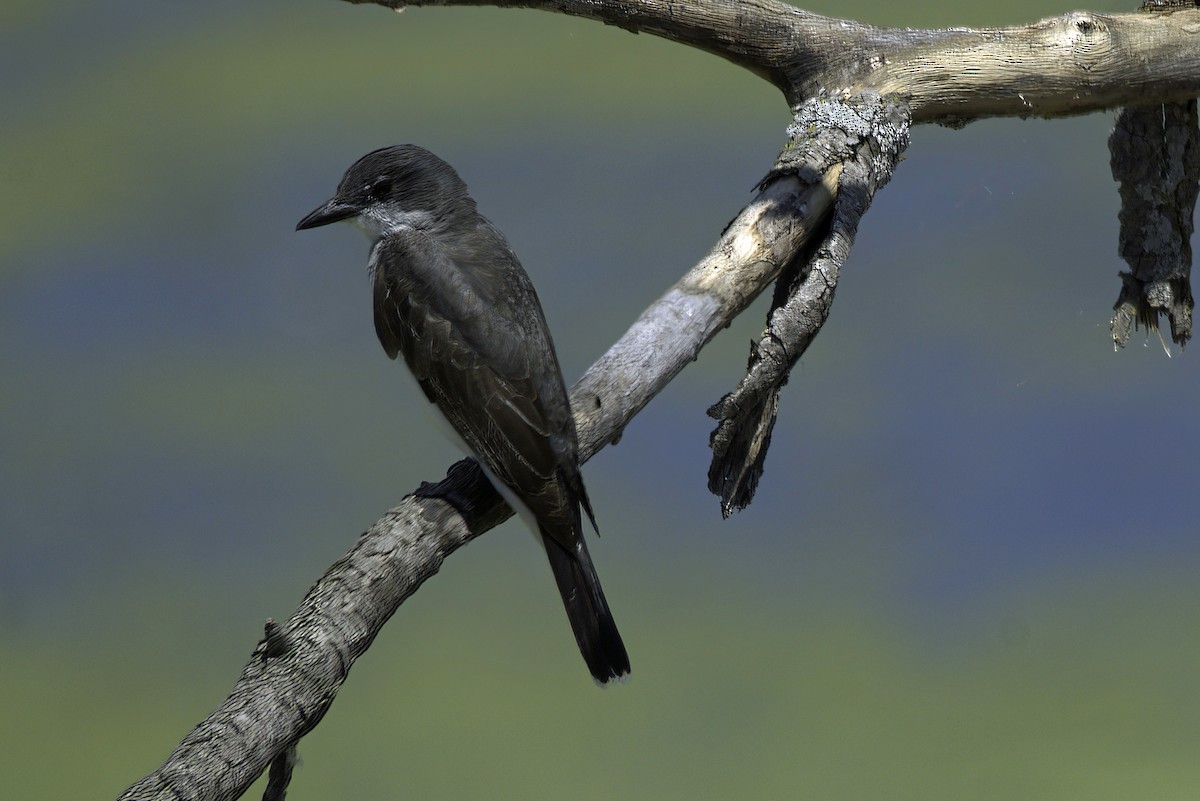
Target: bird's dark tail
591	620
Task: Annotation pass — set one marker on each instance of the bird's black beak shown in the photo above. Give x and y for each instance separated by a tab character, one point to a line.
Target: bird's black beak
333	211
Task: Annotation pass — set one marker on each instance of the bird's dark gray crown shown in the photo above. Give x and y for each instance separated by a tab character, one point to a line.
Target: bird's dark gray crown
408	176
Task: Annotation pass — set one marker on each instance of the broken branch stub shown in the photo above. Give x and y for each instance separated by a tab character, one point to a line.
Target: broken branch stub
1156	159
861	137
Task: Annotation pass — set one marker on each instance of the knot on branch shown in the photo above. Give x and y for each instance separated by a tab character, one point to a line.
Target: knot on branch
1085	24
1156	159
858	140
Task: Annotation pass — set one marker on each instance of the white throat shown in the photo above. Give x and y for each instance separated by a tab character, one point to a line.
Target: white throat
380	219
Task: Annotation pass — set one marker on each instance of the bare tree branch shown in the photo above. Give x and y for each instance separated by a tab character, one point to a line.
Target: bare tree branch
295	672
866	136
669	334
1075	63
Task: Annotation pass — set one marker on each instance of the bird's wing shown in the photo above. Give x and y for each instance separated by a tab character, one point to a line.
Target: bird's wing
473	359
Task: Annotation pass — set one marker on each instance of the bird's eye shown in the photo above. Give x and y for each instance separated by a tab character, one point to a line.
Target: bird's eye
381	187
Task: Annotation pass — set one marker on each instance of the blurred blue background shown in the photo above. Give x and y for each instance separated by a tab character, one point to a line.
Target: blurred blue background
970	569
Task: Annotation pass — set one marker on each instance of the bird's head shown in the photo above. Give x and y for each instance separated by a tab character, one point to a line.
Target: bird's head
394	187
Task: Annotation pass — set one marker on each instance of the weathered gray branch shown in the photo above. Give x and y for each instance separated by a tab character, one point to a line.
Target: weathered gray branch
1075	63
295	672
669	334
865	135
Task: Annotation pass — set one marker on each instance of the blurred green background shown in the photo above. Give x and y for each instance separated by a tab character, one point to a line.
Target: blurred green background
970	571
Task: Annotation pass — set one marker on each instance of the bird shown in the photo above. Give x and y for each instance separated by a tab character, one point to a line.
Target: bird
451	297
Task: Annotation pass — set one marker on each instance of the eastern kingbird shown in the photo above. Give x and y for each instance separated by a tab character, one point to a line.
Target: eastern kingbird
451	296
